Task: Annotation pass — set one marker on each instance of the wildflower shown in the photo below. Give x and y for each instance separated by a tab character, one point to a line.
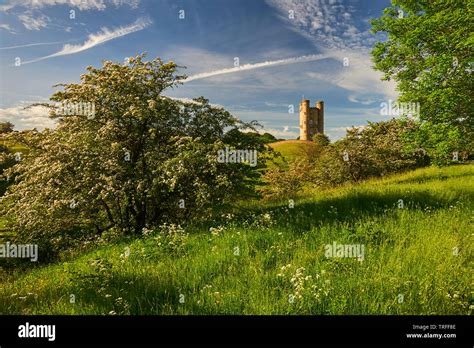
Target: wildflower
151	104
215	231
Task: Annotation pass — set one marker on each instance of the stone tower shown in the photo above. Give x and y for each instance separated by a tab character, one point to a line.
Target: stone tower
311	119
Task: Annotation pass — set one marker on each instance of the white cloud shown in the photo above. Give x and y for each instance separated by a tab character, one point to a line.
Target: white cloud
280	133
276	105
329	25
83	5
7	28
323	21
192	101
96	39
32	18
131	3
32	23
27	118
335	133
246	67
32	44
358	77
367	101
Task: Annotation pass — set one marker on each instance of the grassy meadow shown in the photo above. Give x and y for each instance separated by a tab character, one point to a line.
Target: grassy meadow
270	258
292	149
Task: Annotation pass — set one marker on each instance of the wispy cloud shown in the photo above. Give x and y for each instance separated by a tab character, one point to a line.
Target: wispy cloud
31	44
83	5
7	27
96	39
367	101
330	25
330	22
276	105
32	18
34	23
192	101
246	67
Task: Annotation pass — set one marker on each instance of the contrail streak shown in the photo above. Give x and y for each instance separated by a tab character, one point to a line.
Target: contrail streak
245	67
32	44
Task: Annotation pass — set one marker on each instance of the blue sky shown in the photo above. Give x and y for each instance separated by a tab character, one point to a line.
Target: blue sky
285	49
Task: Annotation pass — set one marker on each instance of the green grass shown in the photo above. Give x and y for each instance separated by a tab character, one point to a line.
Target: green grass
418	260
13	146
291	149
4	232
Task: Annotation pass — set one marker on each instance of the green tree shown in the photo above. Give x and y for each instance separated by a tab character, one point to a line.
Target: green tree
375	150
372	151
6	161
321	139
429	53
140	160
6	127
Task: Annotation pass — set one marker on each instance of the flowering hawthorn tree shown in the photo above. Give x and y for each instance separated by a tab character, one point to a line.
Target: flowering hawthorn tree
140	160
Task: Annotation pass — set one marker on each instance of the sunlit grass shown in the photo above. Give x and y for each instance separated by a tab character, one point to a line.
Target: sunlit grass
417	259
290	150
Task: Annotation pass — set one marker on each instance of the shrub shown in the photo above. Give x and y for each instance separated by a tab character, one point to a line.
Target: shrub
142	159
375	150
282	183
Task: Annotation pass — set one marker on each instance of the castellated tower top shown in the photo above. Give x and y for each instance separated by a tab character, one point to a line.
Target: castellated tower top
311	119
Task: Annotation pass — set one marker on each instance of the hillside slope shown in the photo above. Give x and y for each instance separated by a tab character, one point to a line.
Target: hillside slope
292	149
414	228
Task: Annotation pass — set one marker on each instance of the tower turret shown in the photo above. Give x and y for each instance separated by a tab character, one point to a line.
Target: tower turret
311	119
320	107
304	119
